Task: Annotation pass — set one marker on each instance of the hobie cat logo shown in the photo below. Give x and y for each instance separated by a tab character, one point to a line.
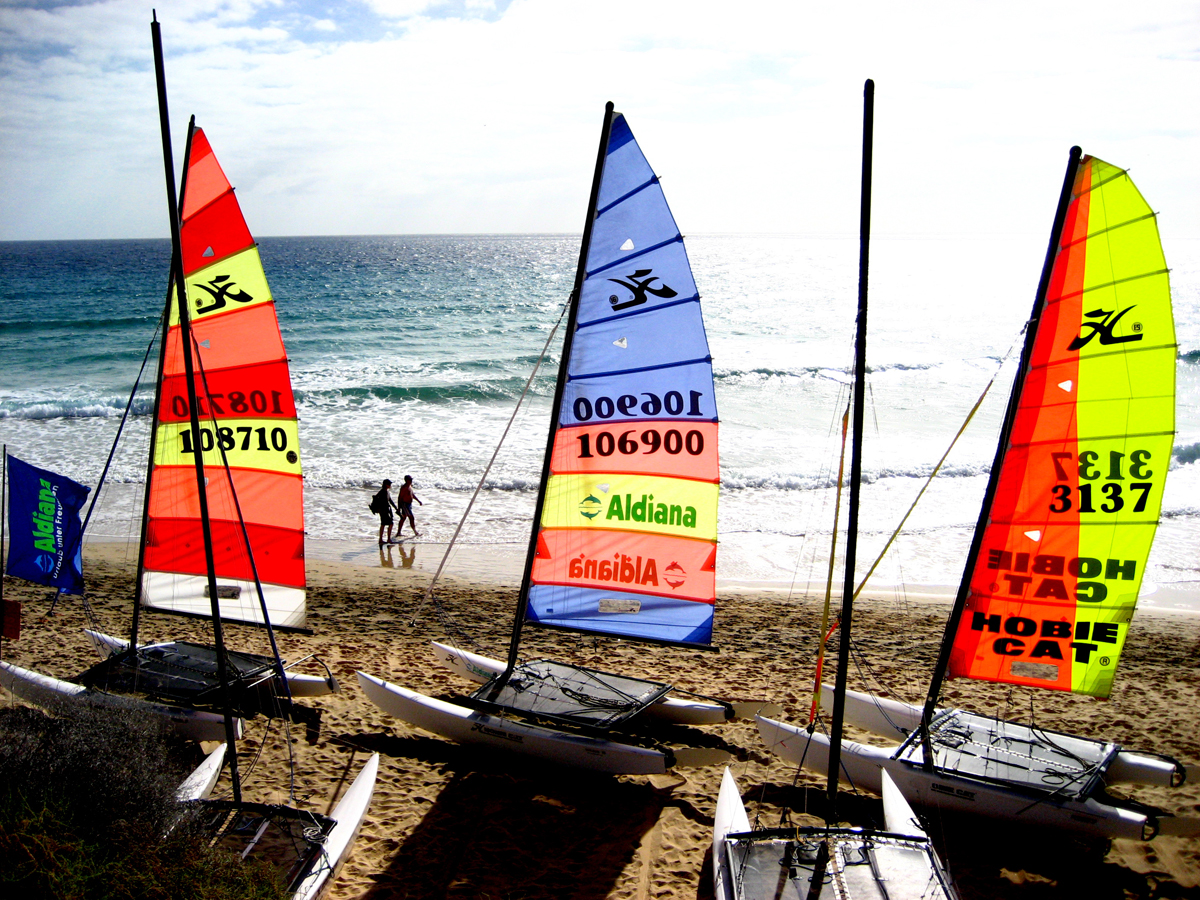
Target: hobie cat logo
640	283
1104	329
222	291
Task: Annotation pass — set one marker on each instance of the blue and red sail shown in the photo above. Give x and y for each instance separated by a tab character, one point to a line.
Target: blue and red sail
627	539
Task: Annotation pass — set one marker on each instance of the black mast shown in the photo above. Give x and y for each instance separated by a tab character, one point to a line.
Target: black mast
185	339
860	377
158	380
1010	414
564	364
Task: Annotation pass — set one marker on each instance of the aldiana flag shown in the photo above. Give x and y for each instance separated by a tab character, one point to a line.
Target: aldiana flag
46	539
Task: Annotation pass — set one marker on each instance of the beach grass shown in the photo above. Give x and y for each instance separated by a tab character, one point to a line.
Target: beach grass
88	810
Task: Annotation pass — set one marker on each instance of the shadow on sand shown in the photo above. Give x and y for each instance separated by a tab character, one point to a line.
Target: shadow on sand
504	827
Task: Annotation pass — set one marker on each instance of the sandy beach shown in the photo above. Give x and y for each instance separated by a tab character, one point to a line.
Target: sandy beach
447	821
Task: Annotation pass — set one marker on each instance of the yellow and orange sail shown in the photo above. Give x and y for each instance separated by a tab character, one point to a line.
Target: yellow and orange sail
248	433
627	538
1057	576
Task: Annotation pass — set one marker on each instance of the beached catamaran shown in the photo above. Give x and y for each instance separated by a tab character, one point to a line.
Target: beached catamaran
623	542
239	413
847	863
1060	548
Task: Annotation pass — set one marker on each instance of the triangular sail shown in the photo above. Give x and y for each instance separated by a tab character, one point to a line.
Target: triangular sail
627	539
1056	579
246	409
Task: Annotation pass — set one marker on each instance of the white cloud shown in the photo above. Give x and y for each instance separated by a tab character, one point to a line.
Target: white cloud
414	116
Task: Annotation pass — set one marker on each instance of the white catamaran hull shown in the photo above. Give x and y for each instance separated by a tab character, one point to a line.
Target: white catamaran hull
203	779
299	684
349	815
673	710
903	865
470	726
44	690
864	766
896	719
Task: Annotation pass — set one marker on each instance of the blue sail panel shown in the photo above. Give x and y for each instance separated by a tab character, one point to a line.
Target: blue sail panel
639	221
659	337
638	280
622	614
678	392
625	167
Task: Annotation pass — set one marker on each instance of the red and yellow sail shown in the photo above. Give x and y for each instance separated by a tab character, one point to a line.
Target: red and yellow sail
1056	580
248	433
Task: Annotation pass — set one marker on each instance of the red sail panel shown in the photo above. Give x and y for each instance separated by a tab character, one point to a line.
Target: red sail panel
1080	488
668	447
248	433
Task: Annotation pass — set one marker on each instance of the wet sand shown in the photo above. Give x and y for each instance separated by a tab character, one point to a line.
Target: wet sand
448	821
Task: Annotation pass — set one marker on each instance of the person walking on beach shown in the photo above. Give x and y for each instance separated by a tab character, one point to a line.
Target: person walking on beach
382	503
405	508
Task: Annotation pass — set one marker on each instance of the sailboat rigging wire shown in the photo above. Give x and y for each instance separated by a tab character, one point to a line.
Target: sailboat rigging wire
87	607
826	631
936	469
482	478
237	506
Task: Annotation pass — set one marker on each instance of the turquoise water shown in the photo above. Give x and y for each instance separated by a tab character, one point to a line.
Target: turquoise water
408	355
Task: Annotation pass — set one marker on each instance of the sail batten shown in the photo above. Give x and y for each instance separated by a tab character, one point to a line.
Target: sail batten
1068	532
249	438
626	541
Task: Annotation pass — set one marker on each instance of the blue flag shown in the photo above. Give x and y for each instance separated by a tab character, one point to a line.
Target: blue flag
46	540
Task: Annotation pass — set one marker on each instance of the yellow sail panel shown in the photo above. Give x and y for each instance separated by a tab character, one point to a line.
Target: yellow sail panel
235	282
1077	503
655	505
245	443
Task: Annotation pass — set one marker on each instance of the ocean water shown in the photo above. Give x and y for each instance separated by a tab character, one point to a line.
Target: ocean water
408	354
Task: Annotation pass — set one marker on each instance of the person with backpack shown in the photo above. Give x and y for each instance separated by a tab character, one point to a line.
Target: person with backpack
382	504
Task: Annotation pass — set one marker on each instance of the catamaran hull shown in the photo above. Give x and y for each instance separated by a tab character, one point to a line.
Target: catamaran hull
730	818
896	719
299	684
203	779
904	866
349	815
864	766
482	669
45	690
468	726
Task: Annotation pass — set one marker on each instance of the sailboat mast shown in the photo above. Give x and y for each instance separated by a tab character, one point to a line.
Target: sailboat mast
1010	414
158	380
860	377
185	340
563	367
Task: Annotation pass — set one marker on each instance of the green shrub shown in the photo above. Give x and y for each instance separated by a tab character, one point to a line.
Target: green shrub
88	810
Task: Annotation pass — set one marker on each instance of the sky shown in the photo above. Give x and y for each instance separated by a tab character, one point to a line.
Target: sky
483	116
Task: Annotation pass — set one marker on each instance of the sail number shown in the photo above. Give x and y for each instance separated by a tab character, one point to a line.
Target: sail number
672	403
673	441
234	402
1132	469
229	440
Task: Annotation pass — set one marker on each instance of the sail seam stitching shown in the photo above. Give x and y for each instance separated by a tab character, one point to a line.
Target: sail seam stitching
626	196
1110	228
624	259
695	298
1108	284
686	362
